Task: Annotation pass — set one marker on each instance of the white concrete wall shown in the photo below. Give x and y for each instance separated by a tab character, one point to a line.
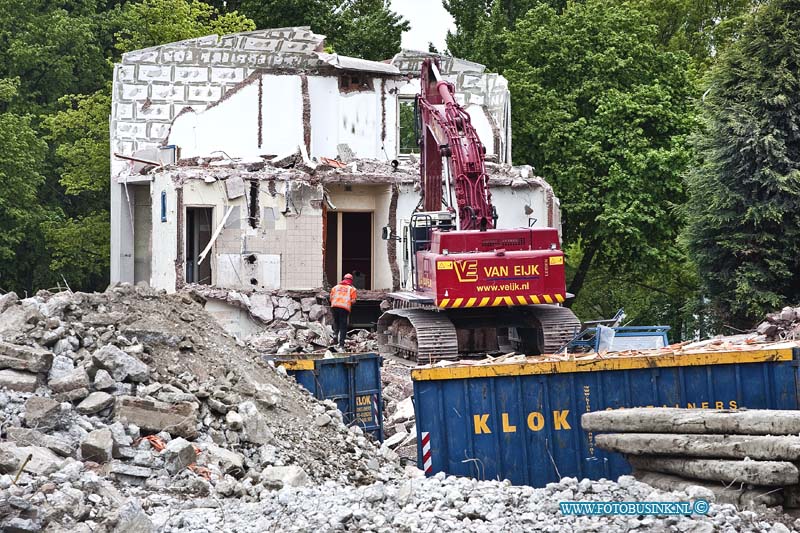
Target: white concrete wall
288	248
513	206
165	240
234	320
231	125
323	92
477	114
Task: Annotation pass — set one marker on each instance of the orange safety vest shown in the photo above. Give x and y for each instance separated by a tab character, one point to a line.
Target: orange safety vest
343	296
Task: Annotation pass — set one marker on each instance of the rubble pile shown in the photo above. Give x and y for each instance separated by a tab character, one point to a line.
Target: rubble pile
291	324
117	403
132	410
295	337
399	425
448	504
781	325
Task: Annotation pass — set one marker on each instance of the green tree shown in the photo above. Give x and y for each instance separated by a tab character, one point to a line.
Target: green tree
53	48
744	209
153	22
368	29
702	29
77	229
21	156
480	23
361	28
604	114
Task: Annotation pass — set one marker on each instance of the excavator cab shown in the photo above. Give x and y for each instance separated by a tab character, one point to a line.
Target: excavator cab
420	230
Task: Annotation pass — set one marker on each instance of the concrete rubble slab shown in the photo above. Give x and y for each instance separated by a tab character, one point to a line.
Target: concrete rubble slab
95	402
178	454
42	412
76	379
177	419
31	437
25	357
120	365
98	446
42	461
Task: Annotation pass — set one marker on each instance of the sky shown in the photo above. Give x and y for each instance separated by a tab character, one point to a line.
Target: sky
429	22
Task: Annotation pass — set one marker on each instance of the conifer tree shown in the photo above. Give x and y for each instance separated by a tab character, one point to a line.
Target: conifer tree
744	212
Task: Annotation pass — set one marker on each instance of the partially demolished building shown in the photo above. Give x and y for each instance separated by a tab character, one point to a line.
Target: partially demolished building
256	162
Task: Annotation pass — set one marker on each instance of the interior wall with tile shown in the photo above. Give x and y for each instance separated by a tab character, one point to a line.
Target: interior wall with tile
281	248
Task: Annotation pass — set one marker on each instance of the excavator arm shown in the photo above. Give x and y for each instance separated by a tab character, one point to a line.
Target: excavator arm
447	132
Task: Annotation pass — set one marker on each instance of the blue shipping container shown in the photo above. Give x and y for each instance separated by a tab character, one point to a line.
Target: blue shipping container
522	421
352	381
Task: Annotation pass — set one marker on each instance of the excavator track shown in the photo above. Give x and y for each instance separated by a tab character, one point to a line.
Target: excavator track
558	326
426	335
421	335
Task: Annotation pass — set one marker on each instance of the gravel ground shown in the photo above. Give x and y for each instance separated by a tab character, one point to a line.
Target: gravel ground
441	504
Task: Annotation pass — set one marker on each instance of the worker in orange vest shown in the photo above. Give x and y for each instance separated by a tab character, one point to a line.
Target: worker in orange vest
343	295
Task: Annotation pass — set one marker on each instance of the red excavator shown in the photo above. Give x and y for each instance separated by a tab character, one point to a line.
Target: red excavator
476	289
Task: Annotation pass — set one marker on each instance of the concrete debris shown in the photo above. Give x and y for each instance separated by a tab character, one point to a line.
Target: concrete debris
41	412
152	415
75	379
781	325
18	381
178	454
119	364
32	437
103	380
26	358
159	410
289	323
132	519
254	427
32	459
284	476
723	446
449	504
399	415
95	402
168	424
98	446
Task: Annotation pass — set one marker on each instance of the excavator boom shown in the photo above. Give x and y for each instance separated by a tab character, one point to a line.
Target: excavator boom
477	289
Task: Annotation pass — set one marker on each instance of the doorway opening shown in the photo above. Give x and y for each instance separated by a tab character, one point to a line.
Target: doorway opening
142	231
348	247
198	234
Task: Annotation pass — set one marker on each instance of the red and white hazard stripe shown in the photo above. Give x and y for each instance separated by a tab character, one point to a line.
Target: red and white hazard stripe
375	418
427	463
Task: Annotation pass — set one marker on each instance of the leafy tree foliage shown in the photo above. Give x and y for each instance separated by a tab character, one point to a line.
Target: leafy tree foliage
479	22
744	213
53	48
21	156
79	131
702	29
152	22
361	28
603	113
79	248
